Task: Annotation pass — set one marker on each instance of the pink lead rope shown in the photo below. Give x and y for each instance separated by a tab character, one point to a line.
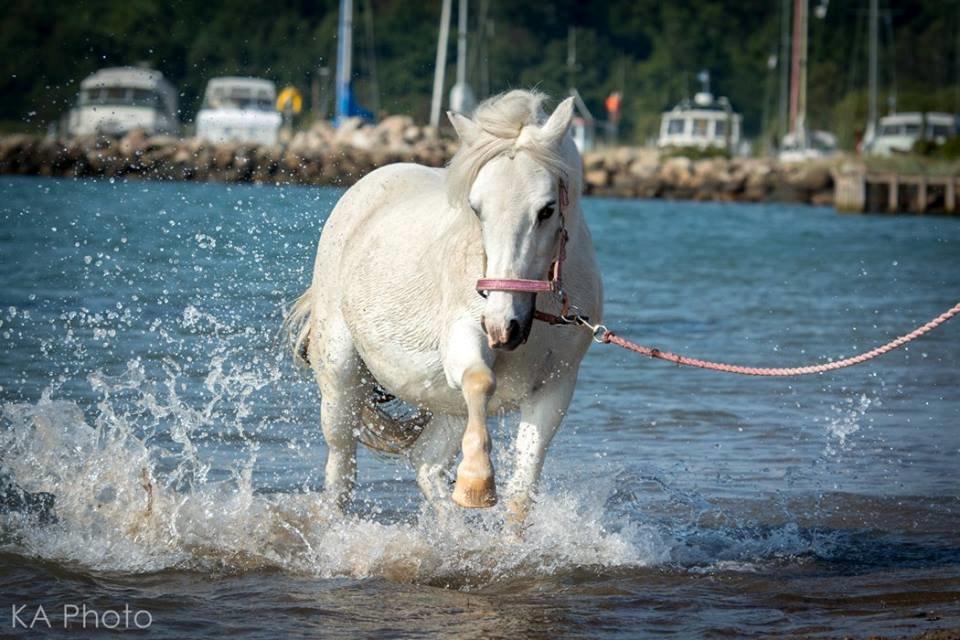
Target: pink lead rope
554	284
602	334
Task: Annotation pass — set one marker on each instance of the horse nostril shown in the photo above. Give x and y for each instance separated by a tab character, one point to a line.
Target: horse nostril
513	329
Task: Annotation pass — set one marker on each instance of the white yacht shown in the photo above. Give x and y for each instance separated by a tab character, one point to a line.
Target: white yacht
702	122
117	100
811	145
239	110
801	144
898	132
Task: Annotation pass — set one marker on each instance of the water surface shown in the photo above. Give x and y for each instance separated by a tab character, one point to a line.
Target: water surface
159	450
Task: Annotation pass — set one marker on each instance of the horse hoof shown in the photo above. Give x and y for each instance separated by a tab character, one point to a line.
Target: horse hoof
475	493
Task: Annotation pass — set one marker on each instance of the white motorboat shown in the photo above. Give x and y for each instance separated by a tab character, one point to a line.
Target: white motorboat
117	100
898	132
704	122
239	110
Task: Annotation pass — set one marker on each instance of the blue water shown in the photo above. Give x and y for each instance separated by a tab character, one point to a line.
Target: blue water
158	449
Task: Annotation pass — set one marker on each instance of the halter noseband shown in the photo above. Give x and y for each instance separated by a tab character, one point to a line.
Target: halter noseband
552	284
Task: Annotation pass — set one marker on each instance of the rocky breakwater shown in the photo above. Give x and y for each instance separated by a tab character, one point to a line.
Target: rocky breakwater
320	155
640	173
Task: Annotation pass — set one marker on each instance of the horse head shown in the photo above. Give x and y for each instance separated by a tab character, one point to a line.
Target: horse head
509	173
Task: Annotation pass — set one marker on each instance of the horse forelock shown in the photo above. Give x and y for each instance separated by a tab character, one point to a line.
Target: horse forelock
509	123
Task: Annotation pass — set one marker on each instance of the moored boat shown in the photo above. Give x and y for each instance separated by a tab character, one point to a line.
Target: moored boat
704	122
237	109
116	100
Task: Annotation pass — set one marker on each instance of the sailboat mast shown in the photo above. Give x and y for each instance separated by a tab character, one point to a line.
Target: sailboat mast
784	68
441	64
802	89
344	62
462	43
874	53
798	67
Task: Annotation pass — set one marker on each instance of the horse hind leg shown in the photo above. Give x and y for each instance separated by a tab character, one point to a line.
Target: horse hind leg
432	457
342	391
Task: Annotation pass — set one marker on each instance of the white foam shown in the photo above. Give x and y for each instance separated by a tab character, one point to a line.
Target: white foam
116	510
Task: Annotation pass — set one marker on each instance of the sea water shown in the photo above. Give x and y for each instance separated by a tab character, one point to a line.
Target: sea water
159	450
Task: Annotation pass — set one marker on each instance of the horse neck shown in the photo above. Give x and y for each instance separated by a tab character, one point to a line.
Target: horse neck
462	241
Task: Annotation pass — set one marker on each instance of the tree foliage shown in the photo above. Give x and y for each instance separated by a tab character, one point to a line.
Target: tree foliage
649	50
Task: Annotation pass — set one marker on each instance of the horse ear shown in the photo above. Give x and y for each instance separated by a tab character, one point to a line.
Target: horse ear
466	128
557	124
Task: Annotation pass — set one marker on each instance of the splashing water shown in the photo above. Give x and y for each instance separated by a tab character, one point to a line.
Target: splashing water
845	420
120	502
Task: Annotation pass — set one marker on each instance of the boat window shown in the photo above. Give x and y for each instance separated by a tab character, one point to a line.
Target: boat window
119	96
239	98
891	130
676	126
939	131
720	128
91	96
144	98
912	129
700	127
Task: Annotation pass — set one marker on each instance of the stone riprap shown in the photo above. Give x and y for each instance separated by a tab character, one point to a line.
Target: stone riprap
322	155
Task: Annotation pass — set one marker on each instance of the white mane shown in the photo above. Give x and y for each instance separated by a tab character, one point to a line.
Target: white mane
508	123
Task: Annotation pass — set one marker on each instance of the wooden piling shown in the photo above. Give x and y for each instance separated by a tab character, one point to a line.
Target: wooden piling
893	192
860	190
921	203
850	191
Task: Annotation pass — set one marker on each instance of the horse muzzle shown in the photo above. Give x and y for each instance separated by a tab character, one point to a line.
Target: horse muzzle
507	335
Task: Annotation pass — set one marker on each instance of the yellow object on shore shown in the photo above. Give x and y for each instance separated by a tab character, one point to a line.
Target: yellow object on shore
291	99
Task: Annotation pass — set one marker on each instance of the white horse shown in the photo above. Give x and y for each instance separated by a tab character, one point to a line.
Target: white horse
393	311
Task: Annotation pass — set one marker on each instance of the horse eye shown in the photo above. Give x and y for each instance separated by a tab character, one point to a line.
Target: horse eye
545	212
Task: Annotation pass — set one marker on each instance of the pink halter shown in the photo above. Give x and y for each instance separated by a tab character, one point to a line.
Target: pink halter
552	284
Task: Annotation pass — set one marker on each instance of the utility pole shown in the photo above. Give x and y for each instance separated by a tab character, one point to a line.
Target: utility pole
440	67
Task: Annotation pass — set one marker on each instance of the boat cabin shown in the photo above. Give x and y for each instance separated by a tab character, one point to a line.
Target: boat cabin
898	132
239	110
117	100
583	126
704	122
807	145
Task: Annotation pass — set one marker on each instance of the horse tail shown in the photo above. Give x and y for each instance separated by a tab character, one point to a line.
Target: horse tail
390	425
297	326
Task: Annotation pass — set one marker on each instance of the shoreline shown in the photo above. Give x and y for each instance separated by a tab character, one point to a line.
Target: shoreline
329	157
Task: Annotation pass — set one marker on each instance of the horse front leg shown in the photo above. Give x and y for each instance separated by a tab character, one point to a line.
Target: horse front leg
476	487
540	416
468	366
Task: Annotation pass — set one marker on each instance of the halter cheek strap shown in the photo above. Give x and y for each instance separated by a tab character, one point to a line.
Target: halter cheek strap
552	284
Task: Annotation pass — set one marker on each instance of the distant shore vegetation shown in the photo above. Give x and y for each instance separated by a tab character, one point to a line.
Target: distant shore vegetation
649	50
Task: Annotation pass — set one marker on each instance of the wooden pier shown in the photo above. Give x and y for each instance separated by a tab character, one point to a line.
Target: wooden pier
890	192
